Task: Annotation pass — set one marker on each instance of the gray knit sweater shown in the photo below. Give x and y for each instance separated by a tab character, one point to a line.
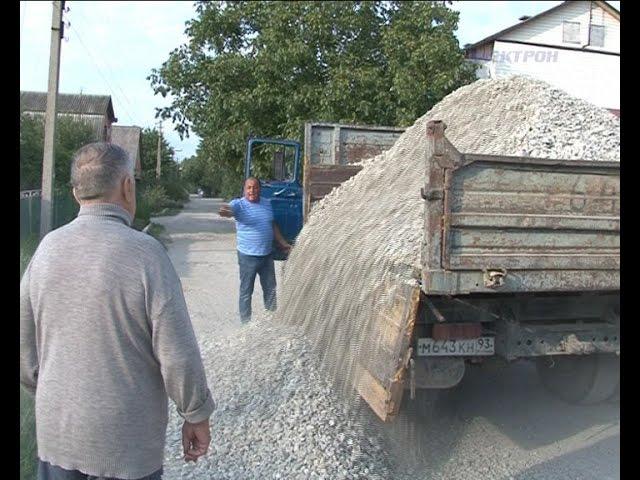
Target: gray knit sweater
104	337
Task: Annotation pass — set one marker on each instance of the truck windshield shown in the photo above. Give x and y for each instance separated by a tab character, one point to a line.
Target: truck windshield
273	162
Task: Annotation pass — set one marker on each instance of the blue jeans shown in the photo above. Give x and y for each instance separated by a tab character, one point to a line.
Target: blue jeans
46	471
251	265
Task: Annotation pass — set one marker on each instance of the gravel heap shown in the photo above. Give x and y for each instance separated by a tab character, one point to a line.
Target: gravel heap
366	235
515	116
276	418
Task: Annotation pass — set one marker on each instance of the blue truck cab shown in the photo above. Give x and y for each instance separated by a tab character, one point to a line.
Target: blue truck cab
284	189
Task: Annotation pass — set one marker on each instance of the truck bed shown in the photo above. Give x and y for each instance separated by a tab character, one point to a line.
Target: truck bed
332	149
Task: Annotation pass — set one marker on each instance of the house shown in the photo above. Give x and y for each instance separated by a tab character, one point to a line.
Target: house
129	138
574	46
96	110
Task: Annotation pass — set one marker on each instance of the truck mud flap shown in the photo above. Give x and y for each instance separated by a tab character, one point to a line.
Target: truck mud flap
381	377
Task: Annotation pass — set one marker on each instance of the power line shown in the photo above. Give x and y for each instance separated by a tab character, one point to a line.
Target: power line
100	71
106	64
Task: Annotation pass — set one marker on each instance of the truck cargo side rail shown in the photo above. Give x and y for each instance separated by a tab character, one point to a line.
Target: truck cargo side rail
518	224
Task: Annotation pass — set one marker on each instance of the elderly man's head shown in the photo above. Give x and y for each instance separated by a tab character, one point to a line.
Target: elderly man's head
252	189
104	173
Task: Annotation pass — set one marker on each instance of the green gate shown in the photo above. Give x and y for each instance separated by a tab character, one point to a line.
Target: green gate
65	209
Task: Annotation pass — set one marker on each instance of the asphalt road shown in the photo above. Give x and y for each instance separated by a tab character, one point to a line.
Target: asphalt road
497	424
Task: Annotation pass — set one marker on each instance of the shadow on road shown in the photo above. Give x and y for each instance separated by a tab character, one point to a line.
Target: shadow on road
428	430
513	399
589	458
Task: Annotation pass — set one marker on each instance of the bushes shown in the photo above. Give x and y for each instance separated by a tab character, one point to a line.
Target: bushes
71	134
153	198
176	190
28	247
150	200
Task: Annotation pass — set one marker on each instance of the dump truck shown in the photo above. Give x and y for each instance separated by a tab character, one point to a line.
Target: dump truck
520	260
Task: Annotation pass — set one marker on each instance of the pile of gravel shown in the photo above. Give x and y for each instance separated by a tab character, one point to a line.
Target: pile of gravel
365	236
276	418
515	116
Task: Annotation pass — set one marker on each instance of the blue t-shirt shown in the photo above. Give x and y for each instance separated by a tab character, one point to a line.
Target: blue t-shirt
254	224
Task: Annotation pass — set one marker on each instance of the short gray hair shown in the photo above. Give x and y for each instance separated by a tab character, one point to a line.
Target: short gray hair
97	168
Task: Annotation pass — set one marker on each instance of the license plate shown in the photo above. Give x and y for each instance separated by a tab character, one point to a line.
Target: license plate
428	347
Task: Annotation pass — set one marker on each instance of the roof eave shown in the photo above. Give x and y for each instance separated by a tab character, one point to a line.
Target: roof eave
615	13
495	36
110	112
610	9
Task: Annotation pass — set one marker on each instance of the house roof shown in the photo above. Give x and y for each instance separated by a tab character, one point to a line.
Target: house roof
129	138
604	5
69	103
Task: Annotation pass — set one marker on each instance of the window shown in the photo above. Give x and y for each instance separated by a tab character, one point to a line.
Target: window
596	35
571	32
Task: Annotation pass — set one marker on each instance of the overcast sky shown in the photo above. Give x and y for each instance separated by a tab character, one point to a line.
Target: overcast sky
111	47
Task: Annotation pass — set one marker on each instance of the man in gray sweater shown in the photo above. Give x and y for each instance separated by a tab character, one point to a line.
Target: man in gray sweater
105	336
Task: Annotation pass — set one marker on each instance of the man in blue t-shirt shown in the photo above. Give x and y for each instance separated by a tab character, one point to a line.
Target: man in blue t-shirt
256	230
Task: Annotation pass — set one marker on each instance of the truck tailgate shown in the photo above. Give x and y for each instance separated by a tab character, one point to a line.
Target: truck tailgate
515	224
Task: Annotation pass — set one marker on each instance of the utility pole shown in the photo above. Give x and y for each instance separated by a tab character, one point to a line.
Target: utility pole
159	150
48	172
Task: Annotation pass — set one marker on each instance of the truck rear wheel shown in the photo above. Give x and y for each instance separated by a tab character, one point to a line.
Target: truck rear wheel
580	379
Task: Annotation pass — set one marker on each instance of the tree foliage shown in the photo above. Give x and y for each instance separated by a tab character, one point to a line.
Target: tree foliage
71	134
264	68
170	190
149	156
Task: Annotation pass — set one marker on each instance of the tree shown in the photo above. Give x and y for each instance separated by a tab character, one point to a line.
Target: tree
149	156
172	184
71	134
264	68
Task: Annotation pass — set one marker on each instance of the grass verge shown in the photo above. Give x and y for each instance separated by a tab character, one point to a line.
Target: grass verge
28	445
168	212
157	232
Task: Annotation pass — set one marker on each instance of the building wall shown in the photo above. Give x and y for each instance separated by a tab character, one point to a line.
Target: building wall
594	77
548	29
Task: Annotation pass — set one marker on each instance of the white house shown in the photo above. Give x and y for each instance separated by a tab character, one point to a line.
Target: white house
574	46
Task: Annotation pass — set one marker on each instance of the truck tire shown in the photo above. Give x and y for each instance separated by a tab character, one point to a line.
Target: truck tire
580	379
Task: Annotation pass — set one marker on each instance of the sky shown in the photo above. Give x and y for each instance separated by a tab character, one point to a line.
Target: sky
111	47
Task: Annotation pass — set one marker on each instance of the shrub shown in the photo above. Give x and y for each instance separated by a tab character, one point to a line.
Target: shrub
176	190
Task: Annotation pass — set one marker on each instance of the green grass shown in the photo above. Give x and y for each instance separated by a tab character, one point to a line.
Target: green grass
28	446
168	212
28	246
156	230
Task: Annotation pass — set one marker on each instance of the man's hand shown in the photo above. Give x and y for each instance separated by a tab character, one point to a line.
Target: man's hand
225	211
282	243
195	440
285	247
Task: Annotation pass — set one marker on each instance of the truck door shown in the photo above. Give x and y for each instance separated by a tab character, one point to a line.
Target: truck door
276	163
